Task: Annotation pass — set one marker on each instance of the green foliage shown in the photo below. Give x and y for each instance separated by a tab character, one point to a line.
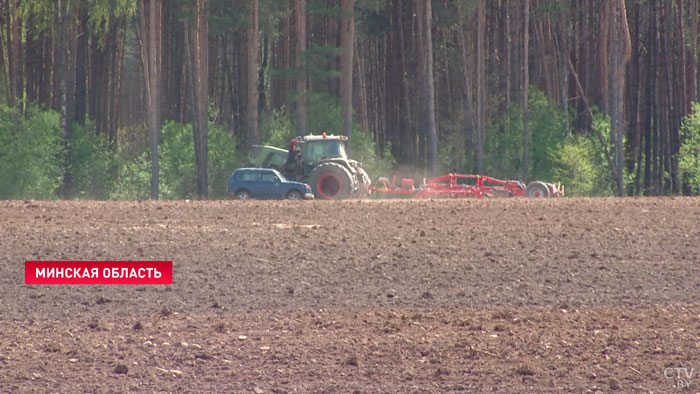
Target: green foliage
689	156
277	129
453	140
177	167
550	9
605	186
223	159
93	163
133	180
43	14
324	113
578	162
364	150
547	131
370	20
275	10
225	15
319	61
30	153
581	164
503	146
102	12
317	7
578	169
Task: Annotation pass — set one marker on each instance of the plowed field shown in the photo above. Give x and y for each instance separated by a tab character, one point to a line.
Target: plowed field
503	295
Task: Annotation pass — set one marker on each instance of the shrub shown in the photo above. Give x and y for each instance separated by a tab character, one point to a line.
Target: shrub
363	149
575	167
503	145
689	156
177	178
93	163
277	129
30	153
223	159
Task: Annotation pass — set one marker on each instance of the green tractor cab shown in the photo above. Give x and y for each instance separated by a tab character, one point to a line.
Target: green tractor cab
319	160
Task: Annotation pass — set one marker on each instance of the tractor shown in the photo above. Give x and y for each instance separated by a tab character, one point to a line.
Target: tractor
319	160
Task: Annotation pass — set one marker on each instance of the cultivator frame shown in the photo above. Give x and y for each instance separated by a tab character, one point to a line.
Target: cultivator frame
464	186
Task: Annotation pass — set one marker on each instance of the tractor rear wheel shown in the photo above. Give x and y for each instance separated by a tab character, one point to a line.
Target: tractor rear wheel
331	181
537	189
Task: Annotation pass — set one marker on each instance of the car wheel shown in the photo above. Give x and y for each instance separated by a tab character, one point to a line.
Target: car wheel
294	195
242	195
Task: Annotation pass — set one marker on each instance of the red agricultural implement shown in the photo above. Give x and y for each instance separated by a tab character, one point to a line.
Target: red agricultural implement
460	185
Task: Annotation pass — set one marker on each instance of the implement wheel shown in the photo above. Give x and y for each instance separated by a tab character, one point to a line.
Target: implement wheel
537	189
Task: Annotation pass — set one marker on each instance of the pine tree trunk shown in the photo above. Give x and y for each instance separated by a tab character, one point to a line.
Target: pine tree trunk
634	92
650	123
14	55
347	40
116	89
300	33
253	49
150	47
604	34
693	79
526	82
619	56
563	56
80	67
200	67
430	91
62	70
470	117
480	87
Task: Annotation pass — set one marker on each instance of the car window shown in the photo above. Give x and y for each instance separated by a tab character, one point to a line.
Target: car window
268	177
247	176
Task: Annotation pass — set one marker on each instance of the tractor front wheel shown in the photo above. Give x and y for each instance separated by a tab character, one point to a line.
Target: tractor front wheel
331	181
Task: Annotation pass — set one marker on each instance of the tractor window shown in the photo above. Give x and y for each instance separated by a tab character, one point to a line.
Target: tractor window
317	152
324	149
339	149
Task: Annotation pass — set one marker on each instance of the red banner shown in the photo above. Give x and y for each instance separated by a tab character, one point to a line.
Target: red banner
98	272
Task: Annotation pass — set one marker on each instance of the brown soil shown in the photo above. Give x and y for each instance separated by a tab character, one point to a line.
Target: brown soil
506	295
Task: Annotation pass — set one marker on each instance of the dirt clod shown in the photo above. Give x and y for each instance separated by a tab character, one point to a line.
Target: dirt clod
121	369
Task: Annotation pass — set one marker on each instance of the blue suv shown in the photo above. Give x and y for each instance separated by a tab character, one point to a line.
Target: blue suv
269	183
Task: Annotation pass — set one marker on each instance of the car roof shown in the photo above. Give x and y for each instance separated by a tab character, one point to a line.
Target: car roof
256	169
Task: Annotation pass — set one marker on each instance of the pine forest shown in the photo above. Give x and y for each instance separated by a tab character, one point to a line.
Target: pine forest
139	99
